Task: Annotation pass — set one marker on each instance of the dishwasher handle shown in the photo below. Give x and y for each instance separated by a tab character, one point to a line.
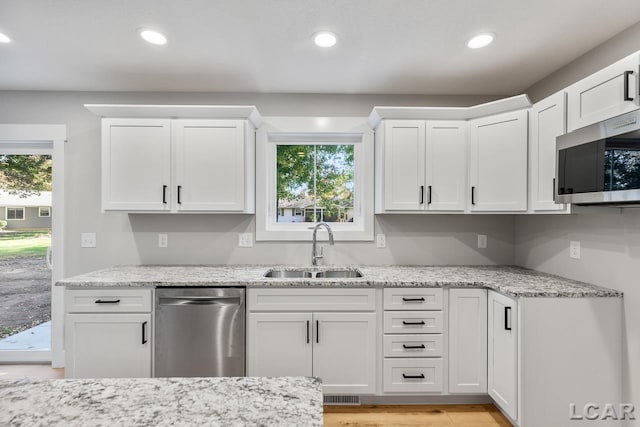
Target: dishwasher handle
199	301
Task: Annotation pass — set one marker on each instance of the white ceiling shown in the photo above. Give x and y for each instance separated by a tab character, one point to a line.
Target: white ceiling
384	47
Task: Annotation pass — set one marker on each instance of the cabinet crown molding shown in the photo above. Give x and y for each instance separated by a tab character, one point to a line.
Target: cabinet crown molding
449	113
246	112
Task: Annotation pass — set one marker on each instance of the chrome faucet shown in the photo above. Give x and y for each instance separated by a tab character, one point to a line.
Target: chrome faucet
314	251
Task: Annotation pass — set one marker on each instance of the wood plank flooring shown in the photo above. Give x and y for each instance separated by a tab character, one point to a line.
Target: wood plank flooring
414	416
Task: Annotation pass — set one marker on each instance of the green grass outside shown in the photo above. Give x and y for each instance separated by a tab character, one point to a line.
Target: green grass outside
24	243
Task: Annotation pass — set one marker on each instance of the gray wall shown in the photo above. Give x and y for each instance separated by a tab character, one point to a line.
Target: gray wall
212	239
619	46
610	237
31	219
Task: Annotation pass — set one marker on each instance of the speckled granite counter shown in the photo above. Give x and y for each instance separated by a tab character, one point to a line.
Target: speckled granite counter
284	401
513	281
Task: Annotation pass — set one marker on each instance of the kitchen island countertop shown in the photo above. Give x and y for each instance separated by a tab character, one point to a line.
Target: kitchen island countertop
509	280
222	401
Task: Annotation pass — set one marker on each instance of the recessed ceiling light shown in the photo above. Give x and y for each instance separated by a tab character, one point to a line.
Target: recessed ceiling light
325	39
152	36
4	38
481	40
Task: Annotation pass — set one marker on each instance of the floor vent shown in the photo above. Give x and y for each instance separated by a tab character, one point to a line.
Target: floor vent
342	400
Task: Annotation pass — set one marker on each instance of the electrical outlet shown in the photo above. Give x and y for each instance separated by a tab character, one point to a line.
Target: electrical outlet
482	241
574	249
245	240
88	240
163	240
381	241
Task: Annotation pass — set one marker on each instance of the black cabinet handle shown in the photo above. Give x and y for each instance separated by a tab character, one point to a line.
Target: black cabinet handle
429	195
422	194
412	299
421	376
107	301
507	317
164	194
626	85
473	195
413	346
307	332
317	331
144	332
404	322
553	190
179	188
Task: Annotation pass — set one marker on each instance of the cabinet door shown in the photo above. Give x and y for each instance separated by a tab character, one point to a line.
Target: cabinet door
547	121
209	165
446	165
136	164
502	343
602	95
344	352
468	341
279	344
499	162
108	345
404	157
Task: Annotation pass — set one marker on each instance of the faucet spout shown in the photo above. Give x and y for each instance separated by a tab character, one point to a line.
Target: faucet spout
314	249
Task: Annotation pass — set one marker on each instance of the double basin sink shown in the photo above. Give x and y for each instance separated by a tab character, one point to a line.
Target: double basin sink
301	273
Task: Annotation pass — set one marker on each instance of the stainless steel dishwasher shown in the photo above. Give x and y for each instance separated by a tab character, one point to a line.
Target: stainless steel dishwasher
199	332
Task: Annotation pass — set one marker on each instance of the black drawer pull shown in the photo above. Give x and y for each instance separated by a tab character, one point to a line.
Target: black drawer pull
421	299
421	346
421	376
107	301
144	332
404	322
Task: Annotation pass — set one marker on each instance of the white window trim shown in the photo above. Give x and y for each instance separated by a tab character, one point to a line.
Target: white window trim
280	130
40	211
6	213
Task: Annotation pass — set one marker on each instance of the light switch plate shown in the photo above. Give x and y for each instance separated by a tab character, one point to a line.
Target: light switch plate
574	249
482	241
381	241
163	240
88	240
245	240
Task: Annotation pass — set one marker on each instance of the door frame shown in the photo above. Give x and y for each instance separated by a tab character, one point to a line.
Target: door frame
44	139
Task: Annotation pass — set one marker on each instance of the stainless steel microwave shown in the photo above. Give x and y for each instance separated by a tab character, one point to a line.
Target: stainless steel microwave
600	163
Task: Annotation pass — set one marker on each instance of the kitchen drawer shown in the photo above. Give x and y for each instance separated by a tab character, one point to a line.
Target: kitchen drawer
307	299
413	345
108	300
427	373
412	322
413	299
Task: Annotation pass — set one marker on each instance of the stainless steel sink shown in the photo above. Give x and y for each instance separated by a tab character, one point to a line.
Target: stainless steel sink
286	274
348	273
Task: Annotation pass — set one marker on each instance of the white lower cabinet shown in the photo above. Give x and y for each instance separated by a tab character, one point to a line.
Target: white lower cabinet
467	341
108	345
338	347
503	354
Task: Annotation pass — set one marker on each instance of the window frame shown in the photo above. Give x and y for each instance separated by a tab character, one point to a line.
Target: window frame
6	213
319	131
48	208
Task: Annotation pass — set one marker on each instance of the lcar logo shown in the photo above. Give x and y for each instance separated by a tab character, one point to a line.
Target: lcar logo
609	411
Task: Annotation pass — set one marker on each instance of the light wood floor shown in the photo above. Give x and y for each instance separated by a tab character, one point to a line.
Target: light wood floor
342	416
414	416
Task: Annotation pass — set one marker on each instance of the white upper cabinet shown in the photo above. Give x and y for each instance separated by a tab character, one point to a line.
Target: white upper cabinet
547	121
209	165
136	164
605	94
421	165
498	171
156	165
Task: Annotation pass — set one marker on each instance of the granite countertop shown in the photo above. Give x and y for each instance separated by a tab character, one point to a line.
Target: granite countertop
222	401
509	280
